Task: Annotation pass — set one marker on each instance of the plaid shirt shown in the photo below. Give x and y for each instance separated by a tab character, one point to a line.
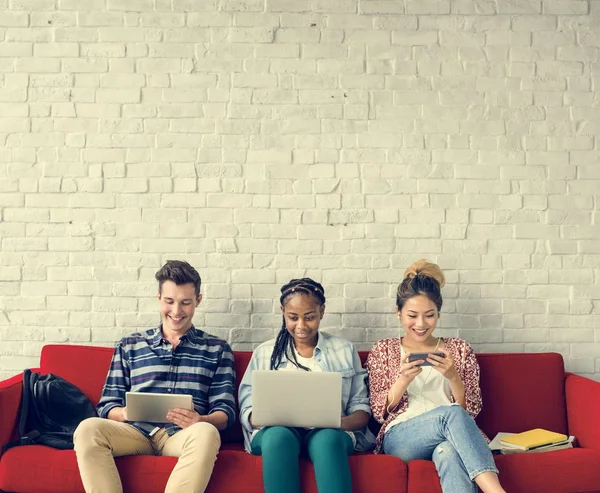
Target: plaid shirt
201	365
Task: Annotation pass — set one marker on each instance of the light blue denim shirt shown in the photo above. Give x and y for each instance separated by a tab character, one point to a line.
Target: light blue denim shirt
332	354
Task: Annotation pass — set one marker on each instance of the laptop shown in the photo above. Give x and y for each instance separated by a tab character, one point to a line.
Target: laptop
303	399
153	407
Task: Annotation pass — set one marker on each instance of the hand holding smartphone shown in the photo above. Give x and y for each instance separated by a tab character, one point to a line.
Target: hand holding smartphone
423	356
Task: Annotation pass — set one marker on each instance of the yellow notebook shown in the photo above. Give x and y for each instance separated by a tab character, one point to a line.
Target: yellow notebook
533	438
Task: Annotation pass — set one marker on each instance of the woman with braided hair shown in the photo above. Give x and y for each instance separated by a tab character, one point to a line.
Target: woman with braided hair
300	346
426	406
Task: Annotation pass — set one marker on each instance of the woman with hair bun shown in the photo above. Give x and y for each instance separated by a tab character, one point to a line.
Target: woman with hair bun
427	405
301	346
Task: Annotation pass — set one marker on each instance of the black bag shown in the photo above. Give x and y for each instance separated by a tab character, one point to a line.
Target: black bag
51	409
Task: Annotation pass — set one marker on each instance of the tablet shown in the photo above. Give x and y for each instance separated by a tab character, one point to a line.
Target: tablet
153	407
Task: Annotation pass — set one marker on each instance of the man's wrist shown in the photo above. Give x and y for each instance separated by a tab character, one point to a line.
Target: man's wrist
117	414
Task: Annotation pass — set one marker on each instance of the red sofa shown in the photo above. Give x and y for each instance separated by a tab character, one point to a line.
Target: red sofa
520	391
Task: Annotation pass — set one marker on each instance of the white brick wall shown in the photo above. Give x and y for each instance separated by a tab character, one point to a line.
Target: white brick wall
269	139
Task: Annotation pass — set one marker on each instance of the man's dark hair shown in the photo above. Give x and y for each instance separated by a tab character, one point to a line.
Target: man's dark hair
180	272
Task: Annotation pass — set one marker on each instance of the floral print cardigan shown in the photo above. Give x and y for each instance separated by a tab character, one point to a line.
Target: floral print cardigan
383	366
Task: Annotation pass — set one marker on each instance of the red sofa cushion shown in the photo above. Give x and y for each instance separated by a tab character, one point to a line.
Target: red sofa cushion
522	391
370	473
583	408
54	471
563	471
83	366
235	471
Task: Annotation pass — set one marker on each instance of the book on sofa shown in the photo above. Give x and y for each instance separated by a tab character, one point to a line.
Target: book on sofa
503	443
531	439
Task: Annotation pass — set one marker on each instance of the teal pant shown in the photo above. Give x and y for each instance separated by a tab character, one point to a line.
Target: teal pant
280	448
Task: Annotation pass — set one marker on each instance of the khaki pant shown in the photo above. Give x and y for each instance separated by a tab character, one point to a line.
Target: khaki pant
98	440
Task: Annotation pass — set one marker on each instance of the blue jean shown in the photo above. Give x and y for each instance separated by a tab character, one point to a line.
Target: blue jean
450	438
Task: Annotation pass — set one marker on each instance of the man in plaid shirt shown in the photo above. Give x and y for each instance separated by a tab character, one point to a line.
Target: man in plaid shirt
173	358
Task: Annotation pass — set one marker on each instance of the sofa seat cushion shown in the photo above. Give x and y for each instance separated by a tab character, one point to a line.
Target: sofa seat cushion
370	473
36	468
563	471
24	469
234	471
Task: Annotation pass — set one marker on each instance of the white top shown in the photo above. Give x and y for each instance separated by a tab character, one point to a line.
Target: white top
310	363
429	390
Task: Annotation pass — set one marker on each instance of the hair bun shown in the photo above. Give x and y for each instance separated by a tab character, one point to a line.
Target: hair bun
425	268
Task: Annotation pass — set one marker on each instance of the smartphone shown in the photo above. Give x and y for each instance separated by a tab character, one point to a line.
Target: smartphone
423	356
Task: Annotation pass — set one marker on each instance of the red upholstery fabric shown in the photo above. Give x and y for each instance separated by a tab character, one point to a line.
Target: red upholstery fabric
141	474
84	366
10	399
370	473
563	471
235	471
422	477
583	410
37	468
522	391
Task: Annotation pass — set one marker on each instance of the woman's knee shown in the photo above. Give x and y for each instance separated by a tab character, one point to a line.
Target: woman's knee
445	452
328	436
278	436
335	441
277	440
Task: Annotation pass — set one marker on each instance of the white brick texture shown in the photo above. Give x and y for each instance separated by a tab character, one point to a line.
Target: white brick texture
268	139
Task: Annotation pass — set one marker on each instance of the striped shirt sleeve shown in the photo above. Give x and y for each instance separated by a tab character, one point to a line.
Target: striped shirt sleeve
117	382
222	387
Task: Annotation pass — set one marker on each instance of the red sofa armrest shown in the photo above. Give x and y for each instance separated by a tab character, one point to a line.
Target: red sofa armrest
10	400
583	410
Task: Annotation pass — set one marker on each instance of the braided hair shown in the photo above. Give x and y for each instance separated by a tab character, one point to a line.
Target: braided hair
284	343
